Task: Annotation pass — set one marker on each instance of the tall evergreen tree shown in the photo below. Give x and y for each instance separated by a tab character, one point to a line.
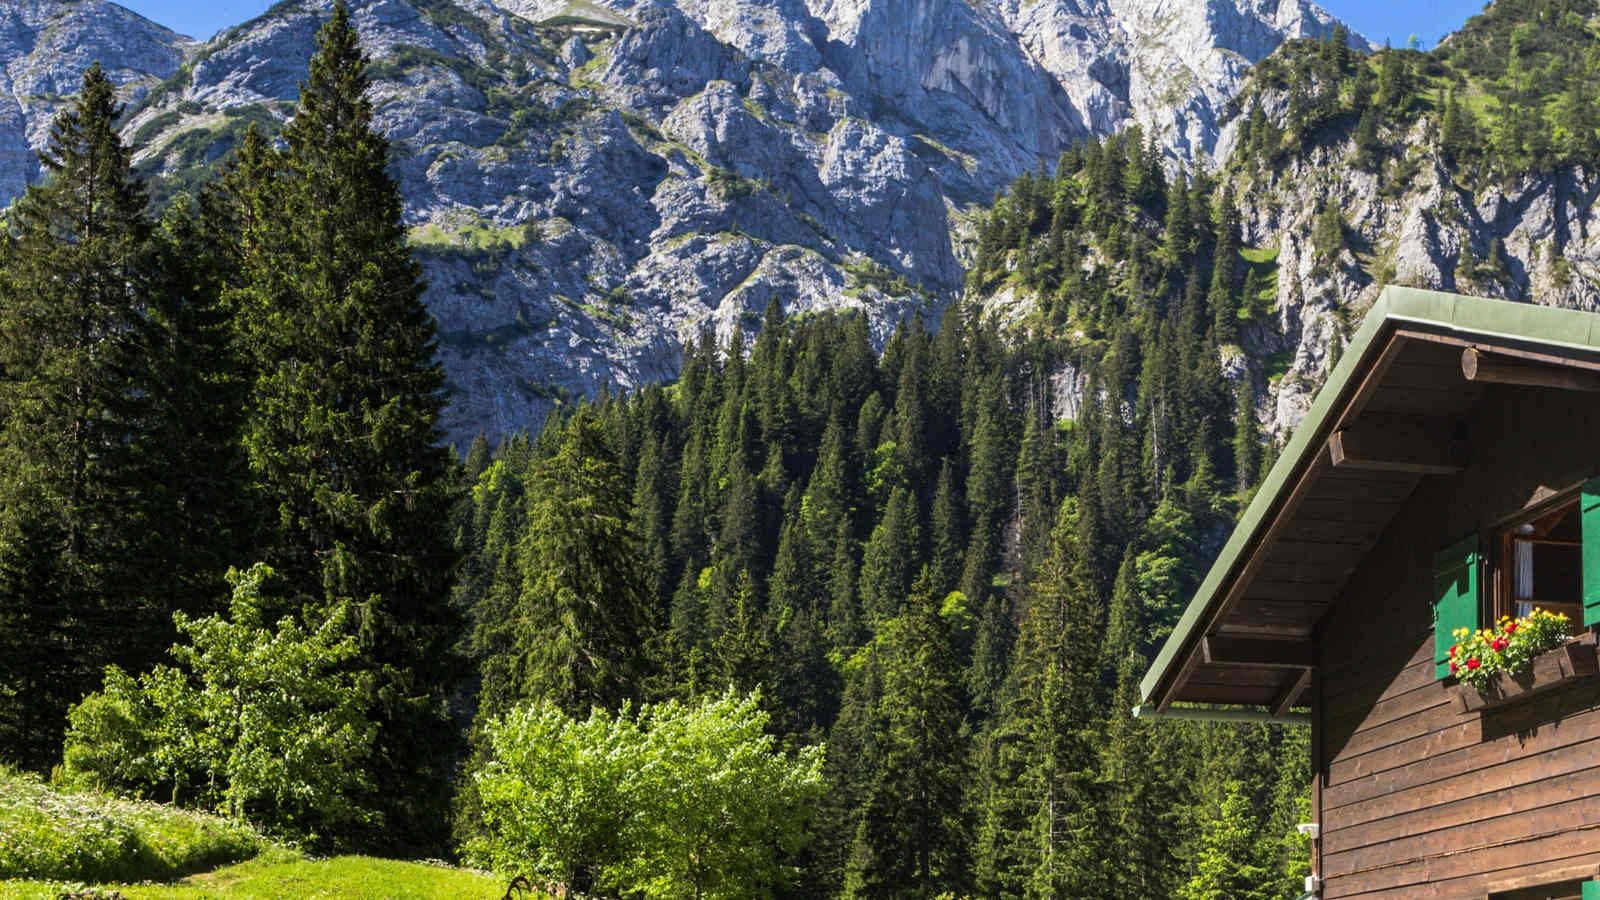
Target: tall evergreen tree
77	279
1221	300
205	516
575	635
1043	832
1246	439
343	429
1236	862
910	840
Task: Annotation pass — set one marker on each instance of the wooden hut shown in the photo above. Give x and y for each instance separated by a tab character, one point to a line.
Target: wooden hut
1444	476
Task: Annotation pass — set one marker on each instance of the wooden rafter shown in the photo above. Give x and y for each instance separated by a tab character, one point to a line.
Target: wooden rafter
1494	368
1258	652
1291	694
1397	443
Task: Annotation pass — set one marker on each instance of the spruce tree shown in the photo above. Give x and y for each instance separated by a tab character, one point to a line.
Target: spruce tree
1246	439
574	636
891	557
1220	300
77	278
342	431
1044	833
911	839
200	501
1236	861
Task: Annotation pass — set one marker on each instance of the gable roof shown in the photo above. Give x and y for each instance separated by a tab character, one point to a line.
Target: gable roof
1311	522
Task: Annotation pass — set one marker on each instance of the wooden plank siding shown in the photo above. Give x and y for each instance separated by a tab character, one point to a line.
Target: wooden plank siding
1416	798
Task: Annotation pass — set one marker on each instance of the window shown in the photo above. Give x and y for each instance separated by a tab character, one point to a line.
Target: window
1539	563
1547	557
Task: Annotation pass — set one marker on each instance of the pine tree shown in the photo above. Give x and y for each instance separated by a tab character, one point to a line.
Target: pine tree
1368	146
653	520
944	555
1042	832
1177	236
1235	863
343	430
1221	300
805	687
1394	82
891	557
911	840
574	637
992	455
1246	439
201	500
1145	805
77	278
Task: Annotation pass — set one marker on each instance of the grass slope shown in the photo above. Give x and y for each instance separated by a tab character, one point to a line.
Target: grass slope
56	841
280	874
84	836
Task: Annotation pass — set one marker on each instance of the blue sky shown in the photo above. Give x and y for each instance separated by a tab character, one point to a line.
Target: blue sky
198	18
1395	20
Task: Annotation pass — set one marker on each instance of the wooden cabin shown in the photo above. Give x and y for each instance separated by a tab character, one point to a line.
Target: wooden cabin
1445	475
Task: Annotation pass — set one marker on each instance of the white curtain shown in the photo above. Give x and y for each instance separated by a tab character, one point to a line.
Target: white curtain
1522	582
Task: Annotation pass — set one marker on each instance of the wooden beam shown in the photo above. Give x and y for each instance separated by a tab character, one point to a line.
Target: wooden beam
1391	443
1480	366
1580	872
1291	694
1258	652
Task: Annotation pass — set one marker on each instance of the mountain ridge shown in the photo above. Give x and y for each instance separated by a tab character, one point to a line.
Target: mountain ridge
583	201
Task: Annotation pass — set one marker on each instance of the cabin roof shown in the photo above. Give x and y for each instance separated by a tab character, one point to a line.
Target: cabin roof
1246	636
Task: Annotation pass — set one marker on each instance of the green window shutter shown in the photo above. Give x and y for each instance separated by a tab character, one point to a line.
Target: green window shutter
1589	509
1455	597
1591	889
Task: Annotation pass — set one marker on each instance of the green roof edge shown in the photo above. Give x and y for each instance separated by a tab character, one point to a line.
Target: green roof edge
1395	305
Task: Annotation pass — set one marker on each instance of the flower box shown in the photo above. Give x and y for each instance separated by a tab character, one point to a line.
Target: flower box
1550	670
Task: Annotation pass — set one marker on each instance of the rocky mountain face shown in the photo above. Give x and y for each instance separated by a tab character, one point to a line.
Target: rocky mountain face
1534	238
589	186
1416	220
46	45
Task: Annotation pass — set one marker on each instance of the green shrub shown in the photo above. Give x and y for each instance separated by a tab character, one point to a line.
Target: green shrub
258	719
677	801
154	126
86	836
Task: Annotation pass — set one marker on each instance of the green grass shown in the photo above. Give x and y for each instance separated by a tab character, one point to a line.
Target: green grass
54	841
71	835
468	237
1257	256
1277	365
282	874
1263	262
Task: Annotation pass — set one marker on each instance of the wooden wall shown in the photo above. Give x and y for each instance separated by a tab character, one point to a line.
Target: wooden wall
1417	799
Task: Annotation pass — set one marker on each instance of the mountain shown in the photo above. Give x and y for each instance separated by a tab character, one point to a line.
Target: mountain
1470	168
589	185
46	46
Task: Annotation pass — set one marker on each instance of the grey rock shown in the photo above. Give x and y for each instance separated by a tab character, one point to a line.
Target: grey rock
45	46
585	198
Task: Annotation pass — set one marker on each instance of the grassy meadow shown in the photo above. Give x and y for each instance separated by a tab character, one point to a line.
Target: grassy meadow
55	842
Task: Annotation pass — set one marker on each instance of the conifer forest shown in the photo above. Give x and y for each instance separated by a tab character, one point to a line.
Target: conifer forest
833	613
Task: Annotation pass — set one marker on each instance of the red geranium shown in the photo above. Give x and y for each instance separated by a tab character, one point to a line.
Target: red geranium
1472	663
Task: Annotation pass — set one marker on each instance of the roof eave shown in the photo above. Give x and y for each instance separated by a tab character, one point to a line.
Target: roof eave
1395	306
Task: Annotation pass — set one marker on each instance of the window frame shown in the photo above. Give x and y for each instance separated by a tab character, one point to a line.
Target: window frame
1498	600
